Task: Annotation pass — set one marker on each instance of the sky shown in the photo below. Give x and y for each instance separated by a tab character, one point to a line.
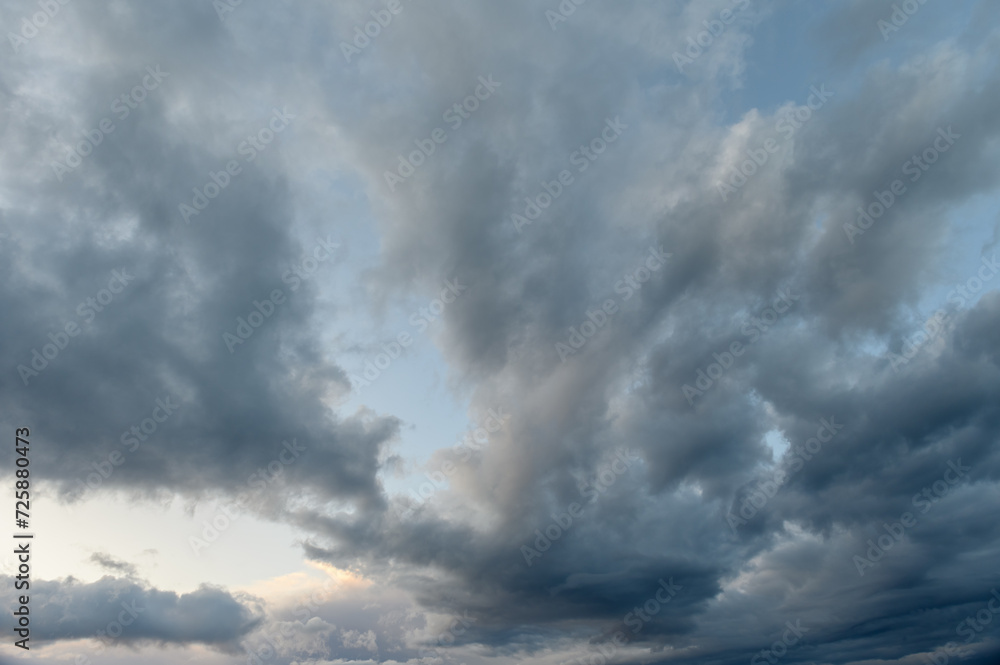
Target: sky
560	332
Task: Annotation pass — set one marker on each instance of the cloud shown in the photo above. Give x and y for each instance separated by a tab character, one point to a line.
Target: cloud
667	517
459	560
108	562
185	285
122	611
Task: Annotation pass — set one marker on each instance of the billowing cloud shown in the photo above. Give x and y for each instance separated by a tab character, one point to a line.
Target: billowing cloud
122	611
729	266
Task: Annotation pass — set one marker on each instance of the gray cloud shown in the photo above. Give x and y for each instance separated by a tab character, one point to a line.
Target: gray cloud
657	185
122	611
110	563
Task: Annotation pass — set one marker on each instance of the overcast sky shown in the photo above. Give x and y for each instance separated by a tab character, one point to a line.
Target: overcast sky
433	332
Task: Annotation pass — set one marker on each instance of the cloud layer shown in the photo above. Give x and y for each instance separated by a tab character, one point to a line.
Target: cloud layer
739	286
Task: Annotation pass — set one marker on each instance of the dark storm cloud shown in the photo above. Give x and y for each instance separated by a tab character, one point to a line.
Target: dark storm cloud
128	612
895	432
147	350
856	298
